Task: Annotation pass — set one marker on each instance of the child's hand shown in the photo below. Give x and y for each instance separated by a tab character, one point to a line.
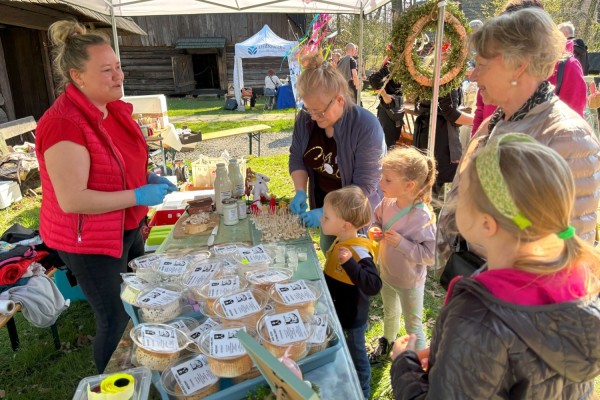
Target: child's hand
375	233
344	255
402	344
392	238
424	357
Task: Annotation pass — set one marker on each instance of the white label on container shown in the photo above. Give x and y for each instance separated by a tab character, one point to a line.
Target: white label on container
180	324
225	195
269	276
239	188
223	343
254	255
193	375
295	292
136	282
159	339
286	328
206	325
201	274
239	304
172	267
319	331
145	262
225	248
219	287
158	297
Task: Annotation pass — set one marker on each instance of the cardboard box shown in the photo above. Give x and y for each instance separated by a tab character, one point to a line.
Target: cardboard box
9	193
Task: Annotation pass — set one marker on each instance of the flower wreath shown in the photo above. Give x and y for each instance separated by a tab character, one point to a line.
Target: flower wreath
416	78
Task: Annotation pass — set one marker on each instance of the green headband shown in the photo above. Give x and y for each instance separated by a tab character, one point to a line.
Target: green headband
487	165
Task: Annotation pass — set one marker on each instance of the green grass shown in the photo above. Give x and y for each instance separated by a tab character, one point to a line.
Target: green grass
25	212
198	107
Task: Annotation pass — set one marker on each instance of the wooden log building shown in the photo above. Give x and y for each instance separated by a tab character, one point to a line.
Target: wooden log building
27	87
194	54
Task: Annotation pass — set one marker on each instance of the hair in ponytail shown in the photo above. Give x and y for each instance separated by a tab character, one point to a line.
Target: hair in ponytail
318	75
414	166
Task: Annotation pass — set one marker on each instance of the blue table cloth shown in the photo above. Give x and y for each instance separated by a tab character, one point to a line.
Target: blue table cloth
285	97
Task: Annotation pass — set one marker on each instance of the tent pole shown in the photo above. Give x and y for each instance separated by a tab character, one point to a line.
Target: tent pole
113	22
360	53
436	77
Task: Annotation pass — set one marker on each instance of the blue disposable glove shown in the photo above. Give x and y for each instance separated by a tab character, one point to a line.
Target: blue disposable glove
298	204
150	195
312	219
155	179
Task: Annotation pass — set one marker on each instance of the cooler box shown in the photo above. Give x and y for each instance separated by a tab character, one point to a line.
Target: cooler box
9	193
73	293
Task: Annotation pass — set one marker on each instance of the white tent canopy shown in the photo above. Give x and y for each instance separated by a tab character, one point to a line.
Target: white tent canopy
173	7
265	43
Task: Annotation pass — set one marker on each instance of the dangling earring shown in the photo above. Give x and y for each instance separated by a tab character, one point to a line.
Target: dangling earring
513	82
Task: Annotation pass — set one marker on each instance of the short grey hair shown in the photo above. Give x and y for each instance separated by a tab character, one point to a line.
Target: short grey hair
569	27
475	24
527	34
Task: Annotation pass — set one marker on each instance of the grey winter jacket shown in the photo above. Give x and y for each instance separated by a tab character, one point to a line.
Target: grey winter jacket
557	126
485	348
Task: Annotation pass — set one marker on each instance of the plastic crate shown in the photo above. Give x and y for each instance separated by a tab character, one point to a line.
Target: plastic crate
166	217
73	293
204	171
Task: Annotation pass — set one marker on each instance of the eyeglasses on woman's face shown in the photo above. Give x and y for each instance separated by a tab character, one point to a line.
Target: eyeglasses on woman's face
321	114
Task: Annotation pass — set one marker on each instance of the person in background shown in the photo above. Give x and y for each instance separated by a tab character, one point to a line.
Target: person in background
516	52
390	110
348	67
93	167
350	271
528	327
576	46
336	56
272	84
404	226
570	88
335	143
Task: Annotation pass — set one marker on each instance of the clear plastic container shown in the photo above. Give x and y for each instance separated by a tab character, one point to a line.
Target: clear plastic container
132	286
151	356
306	309
165	311
203	294
297	349
174	390
248	320
264	279
222	365
330	335
141	375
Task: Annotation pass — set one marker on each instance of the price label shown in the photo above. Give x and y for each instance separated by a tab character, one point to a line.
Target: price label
136	282
198	331
295	292
159	339
319	329
220	287
269	276
146	262
172	267
239	304
180	324
254	255
201	274
223	343
225	248
158	297
286	328
193	375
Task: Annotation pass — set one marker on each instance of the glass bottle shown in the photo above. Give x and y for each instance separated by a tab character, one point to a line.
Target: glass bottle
236	178
222	187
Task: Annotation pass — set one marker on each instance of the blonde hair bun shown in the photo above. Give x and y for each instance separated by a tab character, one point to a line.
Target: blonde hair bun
312	60
61	32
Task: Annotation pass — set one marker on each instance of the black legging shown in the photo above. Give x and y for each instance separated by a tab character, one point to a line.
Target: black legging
99	277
